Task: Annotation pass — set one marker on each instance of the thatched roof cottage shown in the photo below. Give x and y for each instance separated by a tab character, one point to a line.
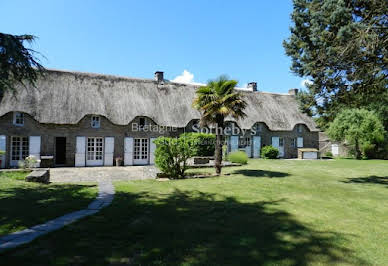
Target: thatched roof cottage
85	119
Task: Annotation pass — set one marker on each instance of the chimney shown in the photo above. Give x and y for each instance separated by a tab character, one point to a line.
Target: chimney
293	92
252	86
159	76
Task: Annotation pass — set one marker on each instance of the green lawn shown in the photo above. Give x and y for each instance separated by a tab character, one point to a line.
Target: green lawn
25	204
269	212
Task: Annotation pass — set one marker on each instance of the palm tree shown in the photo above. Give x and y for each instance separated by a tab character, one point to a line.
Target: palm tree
216	101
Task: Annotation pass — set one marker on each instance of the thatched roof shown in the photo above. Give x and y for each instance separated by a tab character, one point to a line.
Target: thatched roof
64	97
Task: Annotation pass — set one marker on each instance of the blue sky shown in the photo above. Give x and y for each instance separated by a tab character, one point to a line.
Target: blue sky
242	39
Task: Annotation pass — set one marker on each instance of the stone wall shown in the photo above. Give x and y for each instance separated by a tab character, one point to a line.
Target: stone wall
49	132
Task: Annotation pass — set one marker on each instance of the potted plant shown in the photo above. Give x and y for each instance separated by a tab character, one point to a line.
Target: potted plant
118	161
28	163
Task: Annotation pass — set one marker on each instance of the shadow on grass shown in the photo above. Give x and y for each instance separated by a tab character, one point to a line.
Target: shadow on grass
191	228
260	173
24	204
381	180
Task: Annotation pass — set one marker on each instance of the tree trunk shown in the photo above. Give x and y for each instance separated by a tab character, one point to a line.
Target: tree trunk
357	150
218	147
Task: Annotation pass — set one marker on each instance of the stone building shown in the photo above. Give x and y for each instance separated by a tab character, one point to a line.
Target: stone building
83	119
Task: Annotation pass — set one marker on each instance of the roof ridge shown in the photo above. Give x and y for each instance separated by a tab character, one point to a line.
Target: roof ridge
93	74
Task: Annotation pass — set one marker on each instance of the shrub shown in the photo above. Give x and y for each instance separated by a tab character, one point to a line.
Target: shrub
269	152
238	157
328	154
171	155
202	144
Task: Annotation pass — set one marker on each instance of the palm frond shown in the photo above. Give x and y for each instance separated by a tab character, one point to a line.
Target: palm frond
218	99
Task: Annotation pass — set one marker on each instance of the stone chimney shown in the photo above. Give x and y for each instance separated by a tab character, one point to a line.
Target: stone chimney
293	92
252	86
159	76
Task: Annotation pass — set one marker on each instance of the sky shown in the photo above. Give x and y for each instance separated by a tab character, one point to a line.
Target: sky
192	41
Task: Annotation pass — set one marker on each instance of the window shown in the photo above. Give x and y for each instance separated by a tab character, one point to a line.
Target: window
142	122
281	142
18	119
19	148
244	142
300	142
95	149
293	143
259	127
141	149
300	128
196	125
95	122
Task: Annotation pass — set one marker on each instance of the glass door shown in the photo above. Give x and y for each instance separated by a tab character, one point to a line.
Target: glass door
19	150
95	151
140	152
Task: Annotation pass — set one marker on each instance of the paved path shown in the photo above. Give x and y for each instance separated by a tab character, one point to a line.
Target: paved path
104	198
101	174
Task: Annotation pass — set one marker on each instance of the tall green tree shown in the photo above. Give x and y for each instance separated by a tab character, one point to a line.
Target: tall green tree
216	101
341	46
359	128
18	63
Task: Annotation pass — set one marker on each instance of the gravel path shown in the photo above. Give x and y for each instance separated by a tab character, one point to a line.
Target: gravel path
101	174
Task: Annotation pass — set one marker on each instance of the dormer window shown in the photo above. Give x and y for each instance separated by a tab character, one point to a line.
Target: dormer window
142	122
18	119
95	122
196	124
258	127
300	128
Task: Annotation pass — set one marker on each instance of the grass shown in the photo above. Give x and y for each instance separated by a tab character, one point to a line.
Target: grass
25	204
269	212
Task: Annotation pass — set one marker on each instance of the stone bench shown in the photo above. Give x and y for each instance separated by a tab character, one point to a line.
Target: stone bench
39	175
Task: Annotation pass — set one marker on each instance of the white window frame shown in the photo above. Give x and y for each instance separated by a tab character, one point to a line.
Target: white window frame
95	121
19	151
94	151
140	151
18	116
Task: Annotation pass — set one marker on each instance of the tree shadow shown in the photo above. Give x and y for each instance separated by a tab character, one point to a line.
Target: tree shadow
191	228
260	173
25	205
381	180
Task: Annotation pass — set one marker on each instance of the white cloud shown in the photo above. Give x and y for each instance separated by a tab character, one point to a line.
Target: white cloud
305	82
244	87
186	77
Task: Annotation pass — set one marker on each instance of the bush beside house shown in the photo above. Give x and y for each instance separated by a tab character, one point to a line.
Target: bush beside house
202	144
238	157
171	155
269	152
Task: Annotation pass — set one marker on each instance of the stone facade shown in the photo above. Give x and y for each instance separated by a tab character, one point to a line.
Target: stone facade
49	133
